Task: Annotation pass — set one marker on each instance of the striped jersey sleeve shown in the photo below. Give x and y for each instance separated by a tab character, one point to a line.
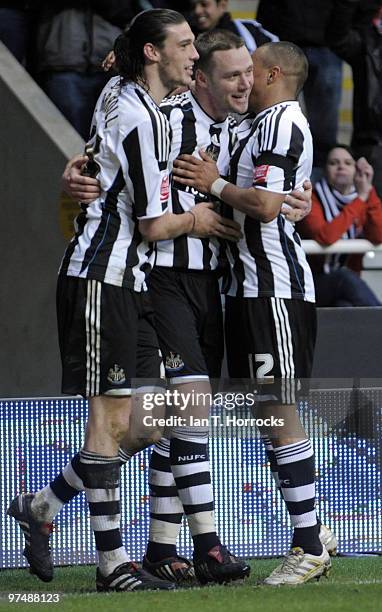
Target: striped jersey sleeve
129	155
145	176
143	150
281	150
275	154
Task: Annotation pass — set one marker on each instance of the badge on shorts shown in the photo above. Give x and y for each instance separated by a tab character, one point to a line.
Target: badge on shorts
116	375
174	363
260	174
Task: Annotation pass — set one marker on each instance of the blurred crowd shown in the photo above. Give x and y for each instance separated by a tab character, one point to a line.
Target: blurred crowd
62	44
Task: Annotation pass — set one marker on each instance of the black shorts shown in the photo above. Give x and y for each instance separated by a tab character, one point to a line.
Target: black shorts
271	340
107	338
189	322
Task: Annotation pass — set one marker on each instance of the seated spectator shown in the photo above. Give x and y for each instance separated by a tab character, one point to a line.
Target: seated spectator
344	205
210	14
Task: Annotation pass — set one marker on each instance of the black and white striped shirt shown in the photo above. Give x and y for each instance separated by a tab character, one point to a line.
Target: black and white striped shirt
193	129
253	33
274	153
131	141
250	30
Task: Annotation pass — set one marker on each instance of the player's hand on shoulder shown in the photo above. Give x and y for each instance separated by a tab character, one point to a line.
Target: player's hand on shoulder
194	172
81	188
109	62
209	223
298	204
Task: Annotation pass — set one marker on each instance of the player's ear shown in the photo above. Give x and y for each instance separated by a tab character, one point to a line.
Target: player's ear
201	78
273	74
151	52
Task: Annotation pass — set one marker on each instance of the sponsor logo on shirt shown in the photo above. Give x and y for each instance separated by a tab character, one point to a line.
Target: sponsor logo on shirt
164	189
260	174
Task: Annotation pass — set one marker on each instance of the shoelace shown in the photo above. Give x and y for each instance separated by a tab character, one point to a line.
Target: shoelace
290	562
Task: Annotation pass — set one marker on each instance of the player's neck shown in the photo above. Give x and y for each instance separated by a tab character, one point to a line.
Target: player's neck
208	105
154	85
272	100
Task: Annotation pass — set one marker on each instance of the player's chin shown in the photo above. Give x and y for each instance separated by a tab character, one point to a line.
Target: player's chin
239	105
181	85
187	78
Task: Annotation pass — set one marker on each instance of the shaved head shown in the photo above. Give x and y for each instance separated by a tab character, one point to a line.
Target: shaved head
290	58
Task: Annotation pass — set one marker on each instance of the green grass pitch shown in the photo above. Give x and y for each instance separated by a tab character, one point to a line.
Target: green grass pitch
354	584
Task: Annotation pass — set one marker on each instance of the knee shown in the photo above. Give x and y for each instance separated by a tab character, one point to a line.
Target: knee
111	424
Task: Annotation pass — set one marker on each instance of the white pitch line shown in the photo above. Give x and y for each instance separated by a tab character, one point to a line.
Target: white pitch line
358	582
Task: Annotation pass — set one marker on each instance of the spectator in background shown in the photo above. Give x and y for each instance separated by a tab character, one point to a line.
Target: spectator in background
304	22
72	40
16	21
210	14
182	6
355	33
344	205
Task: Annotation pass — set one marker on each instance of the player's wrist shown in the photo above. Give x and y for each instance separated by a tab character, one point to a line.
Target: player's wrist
217	187
192	227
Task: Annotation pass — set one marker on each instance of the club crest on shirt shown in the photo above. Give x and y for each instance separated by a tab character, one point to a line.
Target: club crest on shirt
116	375
260	174
213	152
164	189
173	363
213	148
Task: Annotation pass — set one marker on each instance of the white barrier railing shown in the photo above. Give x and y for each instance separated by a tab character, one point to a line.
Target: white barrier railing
311	247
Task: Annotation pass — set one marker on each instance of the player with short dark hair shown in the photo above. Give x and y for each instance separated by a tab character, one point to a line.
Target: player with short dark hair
184	288
270	312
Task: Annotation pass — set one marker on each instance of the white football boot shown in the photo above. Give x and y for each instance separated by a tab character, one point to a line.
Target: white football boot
299	567
328	540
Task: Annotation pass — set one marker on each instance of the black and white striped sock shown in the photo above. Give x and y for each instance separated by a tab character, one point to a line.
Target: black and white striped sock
271	456
166	510
191	470
296	475
101	477
48	502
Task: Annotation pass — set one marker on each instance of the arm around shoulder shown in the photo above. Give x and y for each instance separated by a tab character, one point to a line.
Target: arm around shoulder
167	226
